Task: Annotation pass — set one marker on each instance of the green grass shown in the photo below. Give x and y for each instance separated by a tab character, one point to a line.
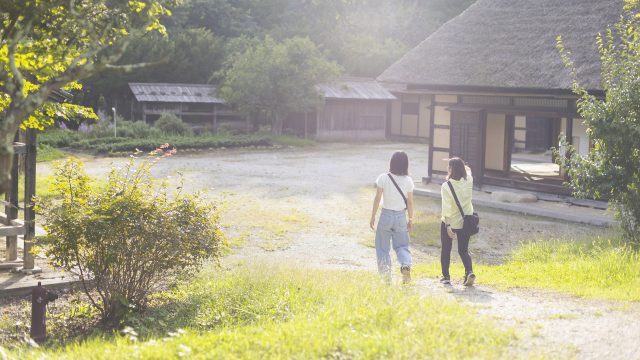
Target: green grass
600	268
249	220
43	184
49	153
283	313
426	228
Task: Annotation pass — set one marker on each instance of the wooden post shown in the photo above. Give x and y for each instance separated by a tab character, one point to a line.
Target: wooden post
11	209
29	192
215	118
144	112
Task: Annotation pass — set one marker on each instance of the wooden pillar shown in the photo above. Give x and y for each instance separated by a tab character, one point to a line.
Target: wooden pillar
144	112
29	192
215	118
11	208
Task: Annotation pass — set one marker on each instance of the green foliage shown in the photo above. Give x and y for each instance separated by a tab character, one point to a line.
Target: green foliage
170	124
265	312
612	167
48	45
120	145
276	77
128	237
600	268
58	138
136	130
185	55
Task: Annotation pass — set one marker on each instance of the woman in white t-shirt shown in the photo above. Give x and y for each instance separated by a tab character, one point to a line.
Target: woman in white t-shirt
395	188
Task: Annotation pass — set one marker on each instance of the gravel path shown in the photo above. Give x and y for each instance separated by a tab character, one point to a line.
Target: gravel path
311	207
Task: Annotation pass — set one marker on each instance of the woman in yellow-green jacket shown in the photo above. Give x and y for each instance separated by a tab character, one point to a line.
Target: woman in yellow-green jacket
460	181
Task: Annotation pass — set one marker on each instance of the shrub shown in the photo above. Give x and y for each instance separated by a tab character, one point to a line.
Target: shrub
611	169
136	130
128	236
58	137
171	125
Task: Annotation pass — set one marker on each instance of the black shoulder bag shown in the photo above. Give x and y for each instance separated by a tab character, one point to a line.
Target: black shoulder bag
400	191
470	223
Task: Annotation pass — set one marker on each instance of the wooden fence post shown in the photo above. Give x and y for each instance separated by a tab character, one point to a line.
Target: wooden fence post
29	192
11	208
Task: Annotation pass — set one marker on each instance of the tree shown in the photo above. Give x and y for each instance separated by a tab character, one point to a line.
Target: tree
276	78
612	167
49	45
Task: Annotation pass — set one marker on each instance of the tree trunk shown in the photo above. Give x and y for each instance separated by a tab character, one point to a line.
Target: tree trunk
6	162
276	124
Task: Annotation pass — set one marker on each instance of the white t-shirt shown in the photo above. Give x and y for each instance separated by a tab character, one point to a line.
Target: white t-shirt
391	198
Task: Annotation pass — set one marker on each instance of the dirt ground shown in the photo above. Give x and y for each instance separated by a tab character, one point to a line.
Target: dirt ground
310	207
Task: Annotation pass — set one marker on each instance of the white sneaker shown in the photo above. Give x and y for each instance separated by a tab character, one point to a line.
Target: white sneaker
469	279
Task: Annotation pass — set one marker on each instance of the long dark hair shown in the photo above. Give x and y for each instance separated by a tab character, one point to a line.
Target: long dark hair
399	164
456	169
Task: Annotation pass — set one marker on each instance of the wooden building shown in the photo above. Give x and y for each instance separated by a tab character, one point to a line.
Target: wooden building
490	86
196	104
353	109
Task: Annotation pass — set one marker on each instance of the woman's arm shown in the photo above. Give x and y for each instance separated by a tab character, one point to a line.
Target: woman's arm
376	203
410	210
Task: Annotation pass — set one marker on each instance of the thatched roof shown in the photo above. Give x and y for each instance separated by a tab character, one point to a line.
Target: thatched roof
510	44
355	88
176	93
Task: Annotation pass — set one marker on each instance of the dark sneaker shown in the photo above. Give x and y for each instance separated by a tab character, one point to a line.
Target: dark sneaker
406	274
445	280
469	279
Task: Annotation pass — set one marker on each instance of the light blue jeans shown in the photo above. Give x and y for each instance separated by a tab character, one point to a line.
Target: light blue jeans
392	227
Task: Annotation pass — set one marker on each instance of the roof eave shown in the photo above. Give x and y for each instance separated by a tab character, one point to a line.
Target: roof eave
500	90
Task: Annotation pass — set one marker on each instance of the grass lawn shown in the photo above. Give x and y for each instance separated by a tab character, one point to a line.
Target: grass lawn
49	153
270	312
601	268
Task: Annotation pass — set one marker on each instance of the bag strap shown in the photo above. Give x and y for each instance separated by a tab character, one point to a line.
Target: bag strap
453	192
400	191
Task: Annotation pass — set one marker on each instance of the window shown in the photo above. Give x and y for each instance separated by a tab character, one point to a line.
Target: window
410	108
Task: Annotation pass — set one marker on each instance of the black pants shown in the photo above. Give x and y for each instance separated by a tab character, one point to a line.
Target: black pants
447	244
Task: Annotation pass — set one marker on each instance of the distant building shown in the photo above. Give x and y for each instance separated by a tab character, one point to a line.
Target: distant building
353	109
196	104
490	86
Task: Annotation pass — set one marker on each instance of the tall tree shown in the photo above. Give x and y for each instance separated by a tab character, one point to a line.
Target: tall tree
611	169
182	56
276	78
47	45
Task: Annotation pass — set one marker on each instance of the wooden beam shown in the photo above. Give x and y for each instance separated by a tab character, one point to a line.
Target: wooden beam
12	230
19	148
15	222
432	126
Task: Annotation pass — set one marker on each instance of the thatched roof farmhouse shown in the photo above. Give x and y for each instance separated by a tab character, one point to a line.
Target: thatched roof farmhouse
490	86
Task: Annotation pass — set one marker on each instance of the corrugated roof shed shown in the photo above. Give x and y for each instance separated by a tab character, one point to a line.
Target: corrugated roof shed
355	88
176	93
511	44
